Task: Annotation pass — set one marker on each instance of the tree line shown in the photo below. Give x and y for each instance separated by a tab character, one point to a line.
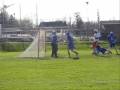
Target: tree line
9	21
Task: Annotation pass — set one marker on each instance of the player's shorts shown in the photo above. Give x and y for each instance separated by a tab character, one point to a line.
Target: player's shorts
71	47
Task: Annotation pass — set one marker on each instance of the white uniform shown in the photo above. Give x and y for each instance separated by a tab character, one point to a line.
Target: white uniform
97	36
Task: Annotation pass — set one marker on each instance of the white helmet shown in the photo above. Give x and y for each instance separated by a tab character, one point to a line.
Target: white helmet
95	30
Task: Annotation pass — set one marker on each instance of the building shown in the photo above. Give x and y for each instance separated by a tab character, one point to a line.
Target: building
16	34
108	26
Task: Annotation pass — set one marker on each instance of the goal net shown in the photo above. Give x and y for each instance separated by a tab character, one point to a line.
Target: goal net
37	47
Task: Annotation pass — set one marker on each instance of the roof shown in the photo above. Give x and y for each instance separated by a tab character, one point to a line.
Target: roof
53	24
110	22
11	29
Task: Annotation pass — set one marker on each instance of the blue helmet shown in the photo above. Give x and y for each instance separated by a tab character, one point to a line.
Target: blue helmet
68	33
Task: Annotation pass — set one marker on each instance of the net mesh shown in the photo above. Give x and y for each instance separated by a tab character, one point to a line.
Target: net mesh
37	47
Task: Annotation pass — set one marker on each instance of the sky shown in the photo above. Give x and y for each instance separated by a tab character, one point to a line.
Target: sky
51	10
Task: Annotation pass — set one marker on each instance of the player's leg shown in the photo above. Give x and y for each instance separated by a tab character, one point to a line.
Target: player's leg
55	50
76	53
114	47
69	53
52	53
109	52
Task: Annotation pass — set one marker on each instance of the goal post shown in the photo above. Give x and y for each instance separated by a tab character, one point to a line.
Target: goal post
37	48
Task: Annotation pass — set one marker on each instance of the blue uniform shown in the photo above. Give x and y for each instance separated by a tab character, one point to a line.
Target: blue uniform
102	50
54	44
70	41
111	39
54	39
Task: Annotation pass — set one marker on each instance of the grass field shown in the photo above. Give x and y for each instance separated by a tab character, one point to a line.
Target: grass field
88	73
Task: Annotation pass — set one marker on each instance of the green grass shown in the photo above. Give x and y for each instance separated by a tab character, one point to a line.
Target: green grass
88	73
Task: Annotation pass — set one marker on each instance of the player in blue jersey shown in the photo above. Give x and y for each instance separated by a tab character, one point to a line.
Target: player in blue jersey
70	45
54	44
111	39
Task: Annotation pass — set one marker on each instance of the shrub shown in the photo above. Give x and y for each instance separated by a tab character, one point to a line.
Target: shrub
13	46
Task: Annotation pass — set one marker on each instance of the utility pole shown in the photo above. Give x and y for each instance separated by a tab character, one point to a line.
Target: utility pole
98	19
70	26
87	3
36	15
3	12
87	24
20	14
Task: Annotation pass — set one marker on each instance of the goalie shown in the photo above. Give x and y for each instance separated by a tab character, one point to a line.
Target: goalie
54	45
